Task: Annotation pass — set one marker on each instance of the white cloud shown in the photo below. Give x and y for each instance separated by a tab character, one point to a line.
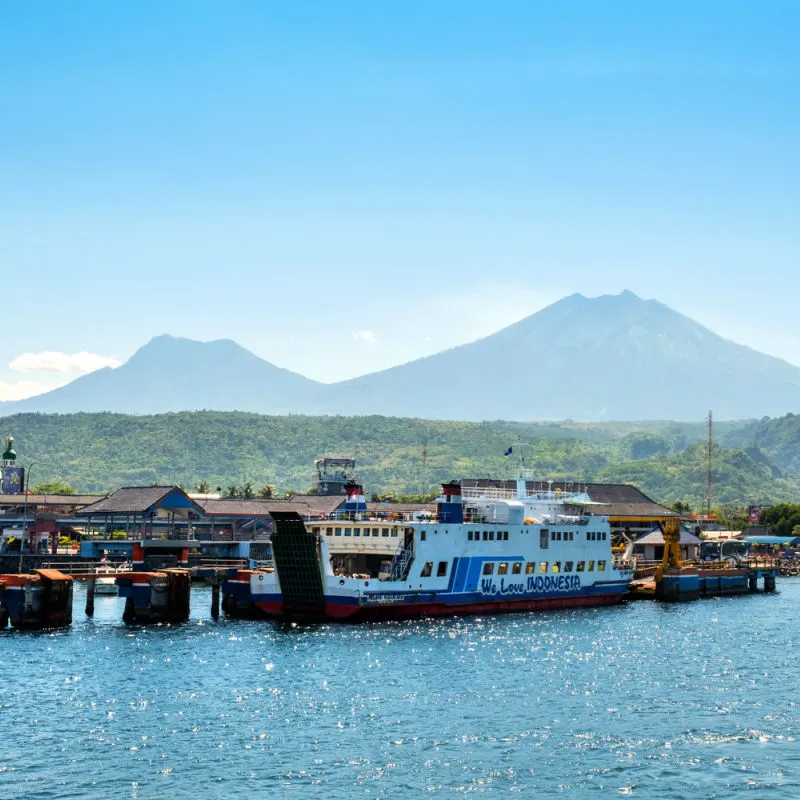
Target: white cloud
22	389
365	336
61	362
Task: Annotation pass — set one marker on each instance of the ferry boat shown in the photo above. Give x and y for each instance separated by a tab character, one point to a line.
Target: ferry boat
481	551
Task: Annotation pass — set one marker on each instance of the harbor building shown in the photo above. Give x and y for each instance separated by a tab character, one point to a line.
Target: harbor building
650	547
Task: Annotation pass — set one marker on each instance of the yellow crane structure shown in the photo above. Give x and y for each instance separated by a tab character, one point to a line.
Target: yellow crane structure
671	531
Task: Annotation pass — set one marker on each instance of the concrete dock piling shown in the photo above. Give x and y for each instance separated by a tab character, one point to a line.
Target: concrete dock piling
40	600
215	581
153	597
237	599
90	582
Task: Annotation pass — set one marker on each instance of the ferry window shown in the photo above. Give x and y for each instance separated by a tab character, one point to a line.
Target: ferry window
338	531
516	568
552	536
486	536
542	566
426	570
505	535
315	530
588	536
348	532
469	535
423	536
558	536
441	571
601	566
356	531
375	531
556	566
329	531
567	566
581	566
385	532
530	568
491	536
488	568
502	569
544	539
394	532
604	535
591	566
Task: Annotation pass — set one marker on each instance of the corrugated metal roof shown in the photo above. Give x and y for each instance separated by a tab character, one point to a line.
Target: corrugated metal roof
135	500
50	499
319	503
772	539
656	537
240	508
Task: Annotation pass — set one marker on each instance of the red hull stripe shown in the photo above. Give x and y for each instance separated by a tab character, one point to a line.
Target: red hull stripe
410	610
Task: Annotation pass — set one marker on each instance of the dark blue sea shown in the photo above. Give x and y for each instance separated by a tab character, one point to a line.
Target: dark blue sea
677	701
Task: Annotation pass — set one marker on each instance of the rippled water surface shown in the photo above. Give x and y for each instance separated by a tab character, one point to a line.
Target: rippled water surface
688	701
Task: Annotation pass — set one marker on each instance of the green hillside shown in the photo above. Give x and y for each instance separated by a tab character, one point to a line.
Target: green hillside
778	439
739	477
100	452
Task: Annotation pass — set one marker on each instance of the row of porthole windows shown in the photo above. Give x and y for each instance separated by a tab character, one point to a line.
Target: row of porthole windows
543	567
488	536
386	532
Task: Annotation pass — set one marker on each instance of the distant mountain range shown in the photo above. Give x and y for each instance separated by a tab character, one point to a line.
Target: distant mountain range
615	357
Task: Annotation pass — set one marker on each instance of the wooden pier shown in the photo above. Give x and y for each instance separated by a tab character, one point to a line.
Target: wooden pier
693	581
43	599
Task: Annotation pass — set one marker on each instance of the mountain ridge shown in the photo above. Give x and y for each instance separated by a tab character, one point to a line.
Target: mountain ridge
611	357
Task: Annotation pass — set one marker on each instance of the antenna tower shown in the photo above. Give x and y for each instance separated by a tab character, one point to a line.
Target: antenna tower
710	446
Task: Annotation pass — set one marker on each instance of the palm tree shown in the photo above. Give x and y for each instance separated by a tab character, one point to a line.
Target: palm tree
266	492
248	493
232	492
203	487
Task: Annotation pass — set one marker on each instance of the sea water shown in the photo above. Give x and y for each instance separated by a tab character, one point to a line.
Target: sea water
697	700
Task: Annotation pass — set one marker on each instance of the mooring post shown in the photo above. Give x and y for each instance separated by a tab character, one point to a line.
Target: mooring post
90	597
215	596
769	583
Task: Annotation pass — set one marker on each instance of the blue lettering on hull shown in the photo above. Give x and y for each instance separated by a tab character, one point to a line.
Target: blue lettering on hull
533	585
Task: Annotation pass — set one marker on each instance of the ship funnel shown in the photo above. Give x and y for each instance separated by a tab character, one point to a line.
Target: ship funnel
355	497
450	505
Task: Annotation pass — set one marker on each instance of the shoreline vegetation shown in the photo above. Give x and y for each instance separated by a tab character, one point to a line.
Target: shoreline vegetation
754	462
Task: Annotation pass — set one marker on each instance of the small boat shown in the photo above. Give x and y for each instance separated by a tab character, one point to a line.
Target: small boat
106	578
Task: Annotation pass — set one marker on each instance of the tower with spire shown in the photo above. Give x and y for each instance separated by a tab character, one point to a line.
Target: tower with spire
13	476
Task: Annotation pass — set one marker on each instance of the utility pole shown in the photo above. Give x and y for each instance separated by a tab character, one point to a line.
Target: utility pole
26	482
424	482
710	445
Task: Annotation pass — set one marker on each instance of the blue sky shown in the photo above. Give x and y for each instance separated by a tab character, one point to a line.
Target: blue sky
345	186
